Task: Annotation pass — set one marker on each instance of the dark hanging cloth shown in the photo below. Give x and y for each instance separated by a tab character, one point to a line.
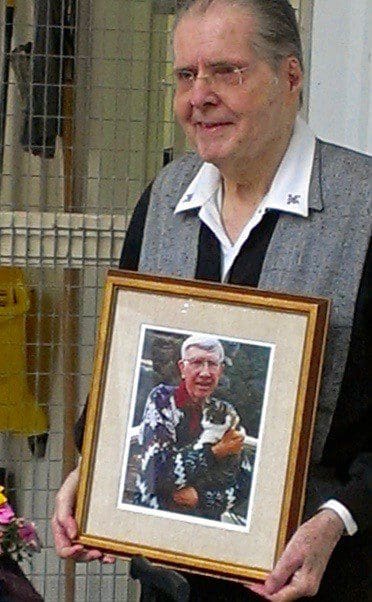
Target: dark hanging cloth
14	585
51	47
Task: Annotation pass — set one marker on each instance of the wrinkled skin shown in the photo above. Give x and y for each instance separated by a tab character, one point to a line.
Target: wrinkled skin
300	569
64	526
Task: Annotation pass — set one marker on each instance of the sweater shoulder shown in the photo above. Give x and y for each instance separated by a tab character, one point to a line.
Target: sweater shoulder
335	155
345	173
177	171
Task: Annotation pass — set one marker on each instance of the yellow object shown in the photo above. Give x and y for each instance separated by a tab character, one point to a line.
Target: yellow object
19	410
3	499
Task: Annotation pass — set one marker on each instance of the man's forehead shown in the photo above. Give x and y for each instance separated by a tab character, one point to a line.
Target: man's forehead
222	9
221	34
195	351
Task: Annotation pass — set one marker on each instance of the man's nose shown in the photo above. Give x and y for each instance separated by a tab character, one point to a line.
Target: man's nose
205	369
202	93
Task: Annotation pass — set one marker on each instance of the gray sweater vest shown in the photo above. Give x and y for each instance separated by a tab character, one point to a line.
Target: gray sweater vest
322	255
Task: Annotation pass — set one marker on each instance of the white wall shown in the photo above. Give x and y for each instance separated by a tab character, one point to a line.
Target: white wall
340	108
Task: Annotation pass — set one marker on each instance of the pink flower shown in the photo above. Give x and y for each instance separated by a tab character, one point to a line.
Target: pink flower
28	533
18	538
6	514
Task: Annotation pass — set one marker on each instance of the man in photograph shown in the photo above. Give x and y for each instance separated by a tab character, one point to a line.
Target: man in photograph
191	443
263	202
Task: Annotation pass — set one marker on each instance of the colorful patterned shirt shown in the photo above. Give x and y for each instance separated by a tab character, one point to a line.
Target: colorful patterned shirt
168	433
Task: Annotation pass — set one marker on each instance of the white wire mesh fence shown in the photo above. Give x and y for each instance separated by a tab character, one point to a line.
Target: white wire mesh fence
85	125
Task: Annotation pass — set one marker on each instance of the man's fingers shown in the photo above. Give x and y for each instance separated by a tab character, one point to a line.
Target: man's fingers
87	555
299	588
78	553
232	434
283	570
286	583
61	539
304	583
108	559
70	526
70	551
299	571
287	594
64	528
187	496
63	533
258	588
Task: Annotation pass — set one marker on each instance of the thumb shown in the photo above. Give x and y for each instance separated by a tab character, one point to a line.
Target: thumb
284	569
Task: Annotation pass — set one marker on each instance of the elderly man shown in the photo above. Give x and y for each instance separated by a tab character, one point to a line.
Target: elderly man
184	471
263	203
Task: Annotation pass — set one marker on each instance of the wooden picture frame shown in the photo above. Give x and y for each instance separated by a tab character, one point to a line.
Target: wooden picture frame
274	346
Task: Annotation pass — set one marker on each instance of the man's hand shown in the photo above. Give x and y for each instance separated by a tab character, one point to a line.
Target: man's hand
186	497
64	525
231	444
299	571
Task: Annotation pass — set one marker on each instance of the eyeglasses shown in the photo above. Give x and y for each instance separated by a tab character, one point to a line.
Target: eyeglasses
198	364
220	78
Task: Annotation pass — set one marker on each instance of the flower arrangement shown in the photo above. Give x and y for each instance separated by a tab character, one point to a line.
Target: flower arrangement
18	538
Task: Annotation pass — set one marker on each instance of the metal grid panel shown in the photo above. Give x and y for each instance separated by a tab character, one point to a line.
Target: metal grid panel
63	219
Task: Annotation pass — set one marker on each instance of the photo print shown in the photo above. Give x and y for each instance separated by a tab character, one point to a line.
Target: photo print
197	407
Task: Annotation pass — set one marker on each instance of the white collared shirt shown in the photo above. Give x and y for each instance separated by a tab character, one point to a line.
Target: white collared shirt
289	192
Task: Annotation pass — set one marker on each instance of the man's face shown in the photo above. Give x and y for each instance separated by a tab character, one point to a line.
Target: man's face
231	126
201	370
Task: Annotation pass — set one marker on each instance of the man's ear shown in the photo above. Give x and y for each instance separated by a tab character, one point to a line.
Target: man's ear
294	74
181	367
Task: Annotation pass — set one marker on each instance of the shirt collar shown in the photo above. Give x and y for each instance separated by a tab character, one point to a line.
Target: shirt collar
289	190
202	188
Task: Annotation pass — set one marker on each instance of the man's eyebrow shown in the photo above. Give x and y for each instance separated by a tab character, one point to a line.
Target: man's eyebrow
186	68
179	72
224	64
235	63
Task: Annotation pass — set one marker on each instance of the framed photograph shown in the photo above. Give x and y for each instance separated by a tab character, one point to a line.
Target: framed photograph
199	423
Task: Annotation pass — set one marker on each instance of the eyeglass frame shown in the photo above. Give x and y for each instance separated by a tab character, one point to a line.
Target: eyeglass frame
211	77
198	364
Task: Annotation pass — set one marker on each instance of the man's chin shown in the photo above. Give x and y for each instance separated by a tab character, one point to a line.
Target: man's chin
210	155
203	392
209	152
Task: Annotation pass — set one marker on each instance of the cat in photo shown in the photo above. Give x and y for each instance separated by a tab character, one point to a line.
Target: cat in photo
217	418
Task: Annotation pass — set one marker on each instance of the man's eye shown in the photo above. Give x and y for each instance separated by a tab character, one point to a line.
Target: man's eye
228	75
185	76
224	69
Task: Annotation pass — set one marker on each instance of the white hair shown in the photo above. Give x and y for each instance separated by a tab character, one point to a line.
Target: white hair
205	342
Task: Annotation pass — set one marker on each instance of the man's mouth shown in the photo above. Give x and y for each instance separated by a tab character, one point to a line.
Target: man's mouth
210	126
